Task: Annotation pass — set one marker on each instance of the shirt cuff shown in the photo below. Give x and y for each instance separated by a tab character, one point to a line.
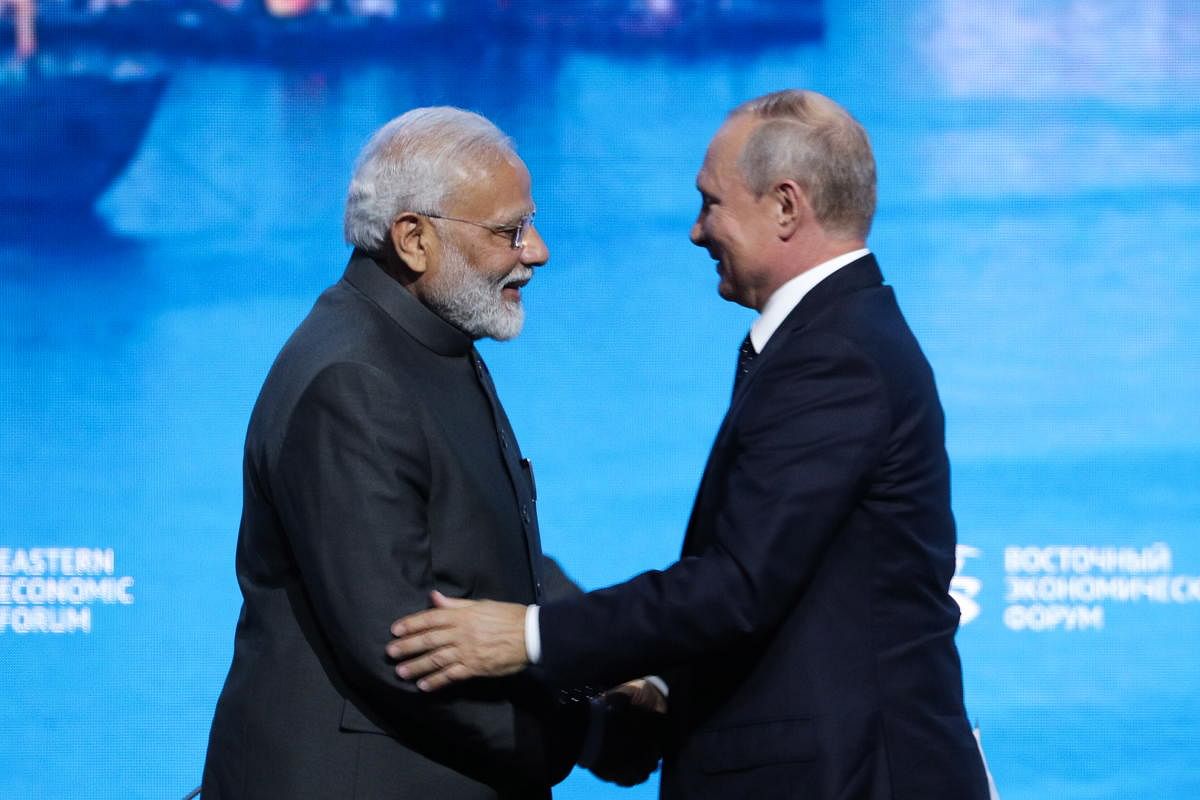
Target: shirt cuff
660	684
533	635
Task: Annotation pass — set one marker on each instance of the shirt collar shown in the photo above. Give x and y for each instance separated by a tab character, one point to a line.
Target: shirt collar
788	296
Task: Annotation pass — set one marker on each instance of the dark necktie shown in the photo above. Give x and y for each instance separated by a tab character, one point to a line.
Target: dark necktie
746	356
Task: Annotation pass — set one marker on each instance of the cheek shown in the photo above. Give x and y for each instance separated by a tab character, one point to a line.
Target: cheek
491	264
500	268
725	227
727	235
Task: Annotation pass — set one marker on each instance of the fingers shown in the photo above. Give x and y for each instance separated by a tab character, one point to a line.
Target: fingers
414	644
428	664
629	688
649	698
443	678
436	617
442	601
435	670
421	621
642	694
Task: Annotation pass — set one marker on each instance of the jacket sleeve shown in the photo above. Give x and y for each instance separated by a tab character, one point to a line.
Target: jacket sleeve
351	484
807	434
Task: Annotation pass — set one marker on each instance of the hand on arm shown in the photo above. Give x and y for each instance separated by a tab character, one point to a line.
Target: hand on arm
457	640
461	639
351	488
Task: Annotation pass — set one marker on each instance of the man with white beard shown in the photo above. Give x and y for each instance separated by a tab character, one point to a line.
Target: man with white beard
379	466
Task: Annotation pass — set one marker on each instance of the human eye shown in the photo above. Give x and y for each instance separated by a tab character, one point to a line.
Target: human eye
517	230
516	225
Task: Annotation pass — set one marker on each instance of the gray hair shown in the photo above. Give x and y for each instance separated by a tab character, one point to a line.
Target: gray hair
808	138
414	163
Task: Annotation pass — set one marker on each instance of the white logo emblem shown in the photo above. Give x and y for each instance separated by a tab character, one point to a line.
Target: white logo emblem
963	588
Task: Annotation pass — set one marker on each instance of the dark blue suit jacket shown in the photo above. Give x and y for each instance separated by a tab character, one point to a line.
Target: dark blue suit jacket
807	633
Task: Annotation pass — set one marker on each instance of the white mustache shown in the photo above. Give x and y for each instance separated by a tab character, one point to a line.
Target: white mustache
518	274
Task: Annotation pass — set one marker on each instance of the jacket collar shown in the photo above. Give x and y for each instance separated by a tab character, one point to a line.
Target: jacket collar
862	273
366	275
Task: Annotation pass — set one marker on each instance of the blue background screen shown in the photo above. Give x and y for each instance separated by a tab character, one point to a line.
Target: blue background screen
171	198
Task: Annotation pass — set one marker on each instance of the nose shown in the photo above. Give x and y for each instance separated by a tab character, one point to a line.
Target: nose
534	252
697	233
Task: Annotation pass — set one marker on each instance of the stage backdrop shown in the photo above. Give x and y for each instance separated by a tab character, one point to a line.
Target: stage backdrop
171	187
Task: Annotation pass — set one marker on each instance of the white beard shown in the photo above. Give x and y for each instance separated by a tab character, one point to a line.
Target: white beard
466	299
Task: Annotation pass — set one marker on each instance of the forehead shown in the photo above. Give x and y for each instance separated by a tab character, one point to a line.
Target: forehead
720	161
495	189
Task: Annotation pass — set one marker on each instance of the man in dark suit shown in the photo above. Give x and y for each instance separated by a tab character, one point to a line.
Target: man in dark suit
807	634
379	465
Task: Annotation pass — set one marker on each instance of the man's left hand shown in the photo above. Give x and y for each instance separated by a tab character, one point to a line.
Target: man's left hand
457	640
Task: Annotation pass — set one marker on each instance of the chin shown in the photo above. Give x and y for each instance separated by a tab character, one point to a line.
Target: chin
505	335
510	324
729	293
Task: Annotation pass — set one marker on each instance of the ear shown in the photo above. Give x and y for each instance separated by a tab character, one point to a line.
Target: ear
412	238
792	209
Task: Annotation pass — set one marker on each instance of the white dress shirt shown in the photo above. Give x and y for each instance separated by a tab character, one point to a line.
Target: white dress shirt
785	299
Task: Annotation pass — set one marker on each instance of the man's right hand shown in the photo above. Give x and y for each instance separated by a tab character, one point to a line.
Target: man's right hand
642	694
631	743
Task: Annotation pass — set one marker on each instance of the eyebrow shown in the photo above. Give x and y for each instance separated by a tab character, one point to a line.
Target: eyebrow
514	219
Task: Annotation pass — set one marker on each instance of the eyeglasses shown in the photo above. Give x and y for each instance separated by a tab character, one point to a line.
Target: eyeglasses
516	232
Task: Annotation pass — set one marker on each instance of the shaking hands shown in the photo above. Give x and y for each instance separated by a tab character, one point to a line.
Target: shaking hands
457	640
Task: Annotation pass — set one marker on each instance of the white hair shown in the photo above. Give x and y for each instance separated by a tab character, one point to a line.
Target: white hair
414	163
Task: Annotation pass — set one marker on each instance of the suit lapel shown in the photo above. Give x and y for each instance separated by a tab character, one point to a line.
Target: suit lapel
863	273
